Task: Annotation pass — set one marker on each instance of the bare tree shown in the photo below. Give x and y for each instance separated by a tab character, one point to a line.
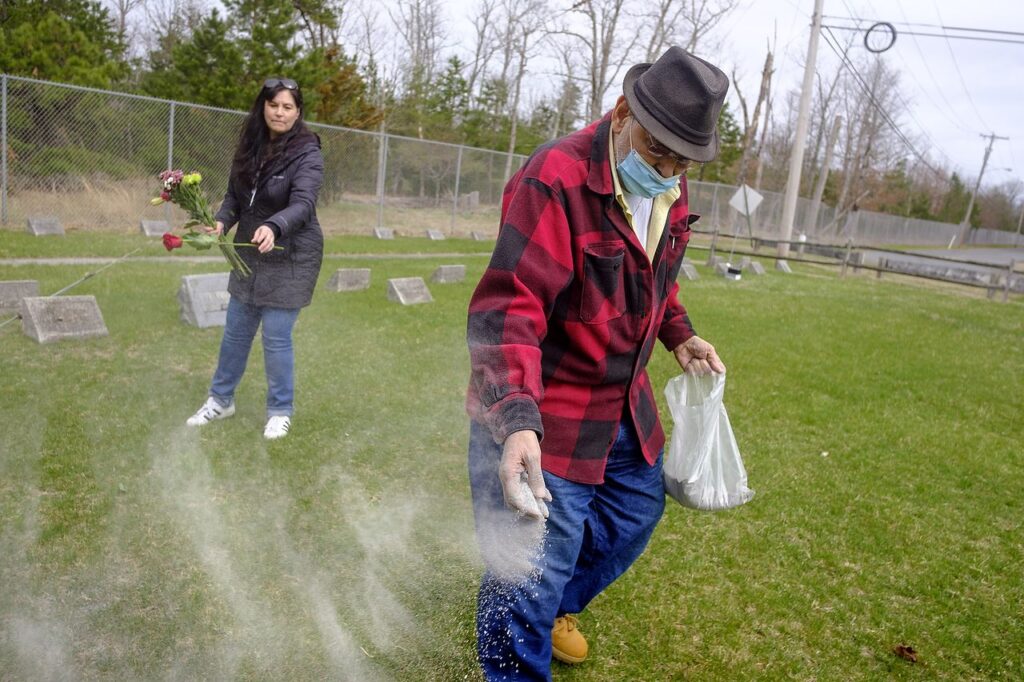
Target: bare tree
524	22
750	124
420	24
484	42
684	23
605	37
169	22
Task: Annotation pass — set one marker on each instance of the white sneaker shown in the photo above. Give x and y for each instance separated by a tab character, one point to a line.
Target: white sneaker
277	427
210	411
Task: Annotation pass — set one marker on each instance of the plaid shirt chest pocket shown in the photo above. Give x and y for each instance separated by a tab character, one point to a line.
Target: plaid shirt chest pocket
678	236
603	295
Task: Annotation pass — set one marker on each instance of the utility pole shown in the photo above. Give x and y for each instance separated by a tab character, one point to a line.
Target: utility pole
796	158
1020	221
819	190
965	226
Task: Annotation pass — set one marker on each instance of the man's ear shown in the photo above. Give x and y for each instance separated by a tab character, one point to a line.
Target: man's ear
620	113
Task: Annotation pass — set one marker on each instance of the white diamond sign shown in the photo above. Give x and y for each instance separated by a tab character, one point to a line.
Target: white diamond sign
745	200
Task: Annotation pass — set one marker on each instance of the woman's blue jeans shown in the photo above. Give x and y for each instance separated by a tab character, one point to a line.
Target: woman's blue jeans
594	533
278	355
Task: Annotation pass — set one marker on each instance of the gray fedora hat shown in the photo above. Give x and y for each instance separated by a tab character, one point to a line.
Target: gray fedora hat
678	99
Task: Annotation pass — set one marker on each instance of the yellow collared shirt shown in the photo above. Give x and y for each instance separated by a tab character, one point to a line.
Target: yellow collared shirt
659	210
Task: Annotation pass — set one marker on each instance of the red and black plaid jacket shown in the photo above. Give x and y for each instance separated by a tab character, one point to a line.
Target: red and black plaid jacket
565	318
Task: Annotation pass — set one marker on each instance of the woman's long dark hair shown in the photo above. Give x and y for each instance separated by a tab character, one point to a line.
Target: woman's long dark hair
255	148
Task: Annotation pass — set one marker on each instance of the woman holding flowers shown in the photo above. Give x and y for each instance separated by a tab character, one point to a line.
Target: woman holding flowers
272	190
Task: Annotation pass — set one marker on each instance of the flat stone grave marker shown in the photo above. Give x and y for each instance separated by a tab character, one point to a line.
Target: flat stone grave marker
744	263
48	319
383	233
409	290
154	228
688	272
12	291
349	279
449	274
204	299
435	235
45	225
713	261
756	268
783	266
478	236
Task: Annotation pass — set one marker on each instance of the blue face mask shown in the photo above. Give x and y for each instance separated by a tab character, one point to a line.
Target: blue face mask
640	178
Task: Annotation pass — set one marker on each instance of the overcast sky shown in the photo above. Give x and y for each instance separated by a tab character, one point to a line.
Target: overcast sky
956	89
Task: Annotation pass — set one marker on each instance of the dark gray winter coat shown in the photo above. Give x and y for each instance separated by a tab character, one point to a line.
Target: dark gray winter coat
284	199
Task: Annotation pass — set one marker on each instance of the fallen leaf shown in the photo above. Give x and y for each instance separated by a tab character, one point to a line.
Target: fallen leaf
907	653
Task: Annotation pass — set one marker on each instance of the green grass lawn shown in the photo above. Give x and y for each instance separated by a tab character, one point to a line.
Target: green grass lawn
880	423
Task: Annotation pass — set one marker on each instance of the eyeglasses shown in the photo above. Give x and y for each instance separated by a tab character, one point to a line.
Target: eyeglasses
288	83
660	151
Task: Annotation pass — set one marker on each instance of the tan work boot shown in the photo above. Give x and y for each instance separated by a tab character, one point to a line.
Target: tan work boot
567	644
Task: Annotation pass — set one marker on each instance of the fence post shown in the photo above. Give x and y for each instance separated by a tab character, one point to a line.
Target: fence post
1009	277
846	257
455	198
382	165
170	156
3	149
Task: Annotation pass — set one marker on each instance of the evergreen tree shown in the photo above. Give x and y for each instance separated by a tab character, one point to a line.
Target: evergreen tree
70	41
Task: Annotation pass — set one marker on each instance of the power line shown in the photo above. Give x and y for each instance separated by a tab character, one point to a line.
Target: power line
923	25
963	83
832	43
934	35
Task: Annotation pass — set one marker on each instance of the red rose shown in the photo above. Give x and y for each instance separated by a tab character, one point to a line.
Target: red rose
165	195
171	241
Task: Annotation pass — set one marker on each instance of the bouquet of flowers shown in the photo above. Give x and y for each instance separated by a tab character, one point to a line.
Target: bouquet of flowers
183	189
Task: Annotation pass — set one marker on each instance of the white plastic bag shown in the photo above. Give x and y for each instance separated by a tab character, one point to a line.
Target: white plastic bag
703	469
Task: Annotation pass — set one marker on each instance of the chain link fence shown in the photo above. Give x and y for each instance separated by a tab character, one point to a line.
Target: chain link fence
91	158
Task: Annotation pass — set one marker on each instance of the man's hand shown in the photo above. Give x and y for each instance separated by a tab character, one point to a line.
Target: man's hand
697	356
263	239
521	455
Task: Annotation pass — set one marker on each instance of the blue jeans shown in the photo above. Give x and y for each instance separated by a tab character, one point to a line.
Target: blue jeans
278	355
594	533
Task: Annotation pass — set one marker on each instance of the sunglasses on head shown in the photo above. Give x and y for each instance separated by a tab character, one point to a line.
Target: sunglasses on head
288	83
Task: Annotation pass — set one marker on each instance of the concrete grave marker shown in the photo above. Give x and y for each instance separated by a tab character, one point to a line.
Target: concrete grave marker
783	266
744	262
469	201
45	225
756	268
449	274
11	293
478	236
154	228
688	272
383	233
49	319
409	290
713	261
435	235
349	279
204	299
